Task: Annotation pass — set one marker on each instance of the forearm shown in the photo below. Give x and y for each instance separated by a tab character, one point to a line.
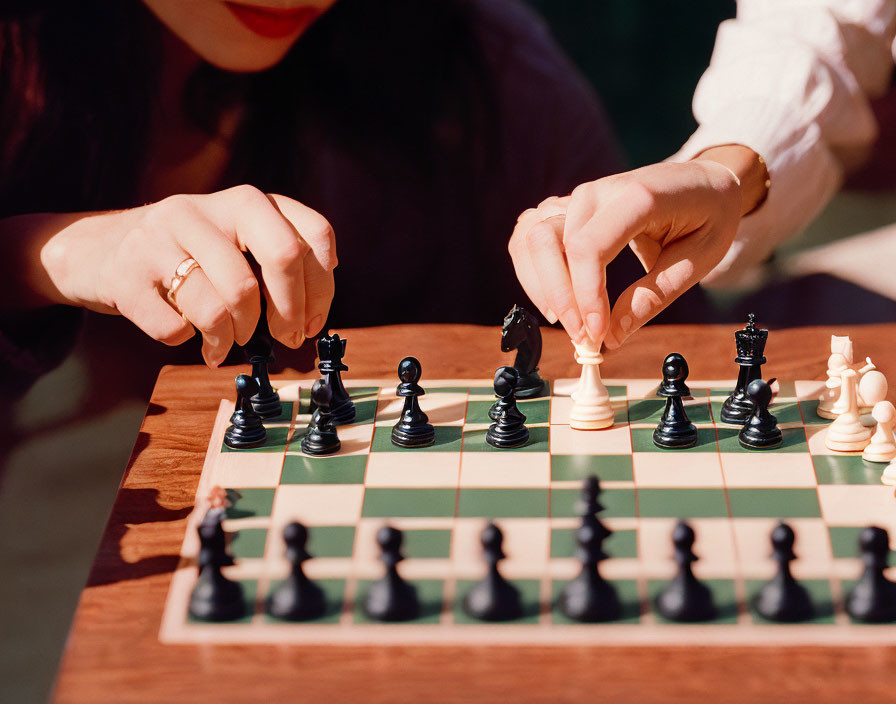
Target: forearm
29	250
749	168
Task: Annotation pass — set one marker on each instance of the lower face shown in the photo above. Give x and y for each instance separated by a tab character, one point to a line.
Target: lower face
244	36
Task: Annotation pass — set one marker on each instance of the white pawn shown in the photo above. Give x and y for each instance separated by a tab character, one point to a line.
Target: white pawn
889	474
837	364
846	433
865	405
882	447
591	409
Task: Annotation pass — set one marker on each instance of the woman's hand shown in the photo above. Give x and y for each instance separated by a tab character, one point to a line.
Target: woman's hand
123	262
678	218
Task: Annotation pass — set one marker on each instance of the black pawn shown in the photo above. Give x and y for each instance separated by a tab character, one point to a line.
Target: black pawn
215	598
246	429
493	598
783	599
589	597
873	599
509	429
685	599
761	431
321	437
298	598
266	401
675	430
413	428
391	598
330	351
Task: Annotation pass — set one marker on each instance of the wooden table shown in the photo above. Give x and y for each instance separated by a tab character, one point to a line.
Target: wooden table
113	653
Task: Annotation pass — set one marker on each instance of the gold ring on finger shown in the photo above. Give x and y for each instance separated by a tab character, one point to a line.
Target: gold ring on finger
183	270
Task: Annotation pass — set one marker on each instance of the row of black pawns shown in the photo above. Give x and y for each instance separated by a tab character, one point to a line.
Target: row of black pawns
587	598
746	406
331	405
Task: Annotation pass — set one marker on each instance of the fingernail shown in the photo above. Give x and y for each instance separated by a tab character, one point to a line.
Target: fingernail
592	322
314	326
626	323
580	336
611	342
551	316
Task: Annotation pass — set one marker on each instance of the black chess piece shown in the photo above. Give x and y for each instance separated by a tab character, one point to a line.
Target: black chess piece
509	429
266	402
750	344
493	598
873	599
297	598
321	437
330	351
685	599
413	428
391	598
761	431
783	599
522	333
675	430
589	598
215	597
246	429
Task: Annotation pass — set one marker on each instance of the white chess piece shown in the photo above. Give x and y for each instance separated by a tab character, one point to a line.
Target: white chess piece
865	405
591	409
846	433
889	474
882	447
837	364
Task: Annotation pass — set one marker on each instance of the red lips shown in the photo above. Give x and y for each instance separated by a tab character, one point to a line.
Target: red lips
274	22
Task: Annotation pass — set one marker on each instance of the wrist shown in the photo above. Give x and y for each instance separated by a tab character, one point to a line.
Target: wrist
749	170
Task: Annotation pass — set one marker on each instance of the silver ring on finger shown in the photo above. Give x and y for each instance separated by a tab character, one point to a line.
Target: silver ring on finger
183	270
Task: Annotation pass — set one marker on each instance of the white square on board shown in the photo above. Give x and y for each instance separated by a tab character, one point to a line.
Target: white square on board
752	537
412	469
318	504
756	469
506	469
608	441
714	546
858	505
666	469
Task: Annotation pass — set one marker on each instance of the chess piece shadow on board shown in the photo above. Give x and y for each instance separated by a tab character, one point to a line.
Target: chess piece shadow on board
297	598
522	333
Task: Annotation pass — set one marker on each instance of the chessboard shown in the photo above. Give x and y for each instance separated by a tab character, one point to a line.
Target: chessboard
442	496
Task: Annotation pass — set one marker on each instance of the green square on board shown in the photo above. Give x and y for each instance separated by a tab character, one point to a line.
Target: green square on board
250	589
626	591
331	541
617	390
427	543
810	413
794	441
621	544
774	503
503	503
334	595
363	393
488	391
642	441
529	596
429	595
249	502
448	439
365	411
617	503
682	503
845	541
723	595
609	468
409	503
786	411
277	437
248	543
819	591
650	410
336	469
846	469
539	436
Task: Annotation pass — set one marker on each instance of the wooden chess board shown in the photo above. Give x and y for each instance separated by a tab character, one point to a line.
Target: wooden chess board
441	496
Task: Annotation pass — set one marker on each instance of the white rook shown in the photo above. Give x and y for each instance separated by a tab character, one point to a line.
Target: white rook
591	408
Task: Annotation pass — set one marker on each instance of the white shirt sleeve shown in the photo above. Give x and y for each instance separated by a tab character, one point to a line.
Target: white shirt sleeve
792	79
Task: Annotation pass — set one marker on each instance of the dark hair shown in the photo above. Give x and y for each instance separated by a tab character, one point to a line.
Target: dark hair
394	79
